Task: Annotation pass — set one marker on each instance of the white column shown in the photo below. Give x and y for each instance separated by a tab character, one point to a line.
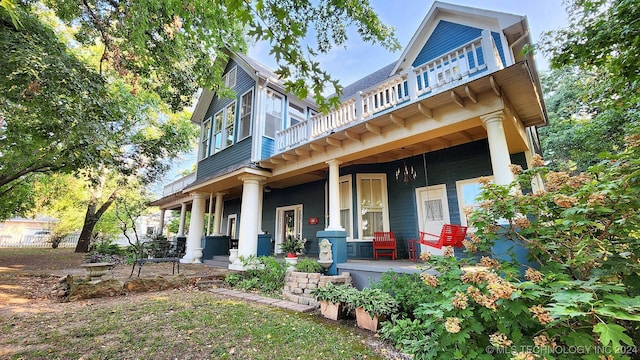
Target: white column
161	222
498	149
249	215
334	195
183	214
217	217
260	202
209	214
196	227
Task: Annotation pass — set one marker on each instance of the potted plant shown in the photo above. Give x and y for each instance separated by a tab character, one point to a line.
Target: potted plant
372	306
292	246
333	299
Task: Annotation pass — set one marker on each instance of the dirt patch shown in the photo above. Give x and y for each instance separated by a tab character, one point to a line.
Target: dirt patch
28	277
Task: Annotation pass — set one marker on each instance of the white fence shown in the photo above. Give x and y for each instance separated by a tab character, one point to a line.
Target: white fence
36	241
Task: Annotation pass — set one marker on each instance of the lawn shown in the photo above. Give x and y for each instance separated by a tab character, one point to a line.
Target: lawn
173	324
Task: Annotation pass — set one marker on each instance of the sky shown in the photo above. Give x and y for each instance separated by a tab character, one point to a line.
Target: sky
360	59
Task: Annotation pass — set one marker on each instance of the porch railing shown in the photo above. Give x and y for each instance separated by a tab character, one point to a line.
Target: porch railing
178	185
451	69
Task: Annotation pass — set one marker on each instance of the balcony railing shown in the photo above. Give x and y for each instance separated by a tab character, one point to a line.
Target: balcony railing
178	185
451	69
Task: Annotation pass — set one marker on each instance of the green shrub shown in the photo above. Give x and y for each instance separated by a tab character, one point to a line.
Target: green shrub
309	266
265	274
373	301
407	289
333	293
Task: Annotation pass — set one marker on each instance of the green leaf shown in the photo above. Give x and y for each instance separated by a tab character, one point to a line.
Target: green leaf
616	312
578	339
612	335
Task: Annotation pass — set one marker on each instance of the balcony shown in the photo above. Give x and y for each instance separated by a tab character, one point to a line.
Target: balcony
457	67
178	185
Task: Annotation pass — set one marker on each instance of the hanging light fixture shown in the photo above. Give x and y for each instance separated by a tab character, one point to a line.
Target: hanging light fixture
405	173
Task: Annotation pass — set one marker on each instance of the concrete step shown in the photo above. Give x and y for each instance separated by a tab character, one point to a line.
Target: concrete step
223	264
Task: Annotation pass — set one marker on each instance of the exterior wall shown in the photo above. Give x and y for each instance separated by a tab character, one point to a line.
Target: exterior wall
268	147
312	198
235	156
448	36
238	154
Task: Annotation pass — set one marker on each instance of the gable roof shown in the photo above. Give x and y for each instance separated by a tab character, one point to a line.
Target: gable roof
366	82
498	21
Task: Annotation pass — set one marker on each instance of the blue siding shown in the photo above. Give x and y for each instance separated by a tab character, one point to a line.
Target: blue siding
221	162
498	41
446	37
443	167
268	147
311	196
244	82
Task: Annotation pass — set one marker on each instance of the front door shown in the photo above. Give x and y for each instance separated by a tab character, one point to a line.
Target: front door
433	212
289	223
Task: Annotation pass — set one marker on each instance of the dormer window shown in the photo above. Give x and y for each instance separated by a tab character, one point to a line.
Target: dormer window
231	77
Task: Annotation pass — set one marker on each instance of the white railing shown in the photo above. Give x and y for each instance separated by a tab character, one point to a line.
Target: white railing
36	241
456	65
178	185
451	69
343	115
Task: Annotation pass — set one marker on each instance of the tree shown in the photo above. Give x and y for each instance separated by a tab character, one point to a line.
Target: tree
171	47
55	113
597	68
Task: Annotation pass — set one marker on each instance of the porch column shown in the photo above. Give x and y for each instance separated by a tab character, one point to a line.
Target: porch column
161	222
196	227
249	216
499	151
217	216
334	195
183	214
209	214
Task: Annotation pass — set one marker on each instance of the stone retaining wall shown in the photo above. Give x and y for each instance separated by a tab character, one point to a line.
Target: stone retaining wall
298	285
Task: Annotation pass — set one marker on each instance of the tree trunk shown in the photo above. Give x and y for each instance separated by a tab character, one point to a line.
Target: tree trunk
91	219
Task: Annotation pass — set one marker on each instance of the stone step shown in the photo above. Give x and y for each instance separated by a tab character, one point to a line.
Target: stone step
210	284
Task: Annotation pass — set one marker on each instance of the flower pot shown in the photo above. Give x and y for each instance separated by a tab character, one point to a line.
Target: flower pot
333	311
292	255
365	321
291	262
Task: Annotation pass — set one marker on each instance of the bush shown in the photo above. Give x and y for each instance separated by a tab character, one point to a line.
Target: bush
265	274
308	265
407	289
582	231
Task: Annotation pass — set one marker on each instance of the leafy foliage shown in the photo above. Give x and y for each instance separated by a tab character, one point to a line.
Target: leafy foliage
374	302
308	265
333	293
407	289
264	274
172	48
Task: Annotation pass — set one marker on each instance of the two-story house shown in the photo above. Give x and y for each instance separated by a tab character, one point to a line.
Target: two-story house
403	152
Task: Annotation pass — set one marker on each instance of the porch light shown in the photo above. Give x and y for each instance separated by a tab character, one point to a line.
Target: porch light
405	173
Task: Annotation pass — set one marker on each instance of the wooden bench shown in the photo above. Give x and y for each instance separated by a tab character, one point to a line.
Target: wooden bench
159	251
384	244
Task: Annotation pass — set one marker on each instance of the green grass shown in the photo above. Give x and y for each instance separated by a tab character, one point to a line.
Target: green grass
185	325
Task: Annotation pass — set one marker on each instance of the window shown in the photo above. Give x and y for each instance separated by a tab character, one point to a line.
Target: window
223	125
230	124
273	113
346	213
372	204
468	192
206	137
244	126
295	115
231	77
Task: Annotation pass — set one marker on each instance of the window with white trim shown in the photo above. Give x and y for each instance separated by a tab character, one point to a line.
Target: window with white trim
246	106
223	126
295	114
206	138
468	191
373	209
346	207
274	106
231	78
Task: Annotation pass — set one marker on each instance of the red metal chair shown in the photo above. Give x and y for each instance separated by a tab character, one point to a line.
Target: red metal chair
451	235
384	244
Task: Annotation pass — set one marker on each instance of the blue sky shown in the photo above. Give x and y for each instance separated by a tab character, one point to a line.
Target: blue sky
360	59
